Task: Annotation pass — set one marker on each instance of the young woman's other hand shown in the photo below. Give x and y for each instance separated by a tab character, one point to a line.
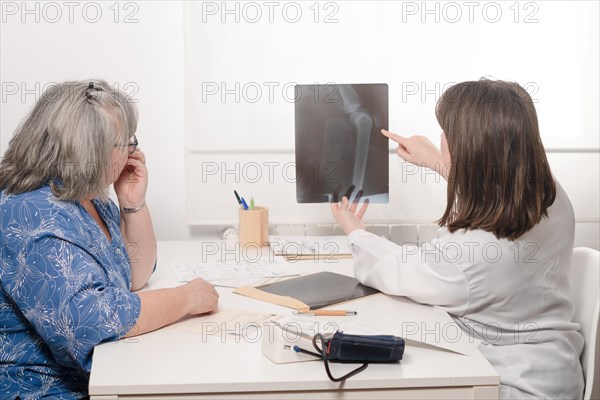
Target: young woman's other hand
346	215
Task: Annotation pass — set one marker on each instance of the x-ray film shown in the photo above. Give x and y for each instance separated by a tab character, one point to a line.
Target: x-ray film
339	146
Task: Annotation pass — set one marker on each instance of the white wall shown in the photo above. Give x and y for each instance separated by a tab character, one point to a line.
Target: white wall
242	58
146	58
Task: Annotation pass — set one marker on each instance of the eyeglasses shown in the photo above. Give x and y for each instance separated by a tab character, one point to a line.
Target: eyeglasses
131	146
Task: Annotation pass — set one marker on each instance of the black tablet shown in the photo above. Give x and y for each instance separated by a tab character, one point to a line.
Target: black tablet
321	289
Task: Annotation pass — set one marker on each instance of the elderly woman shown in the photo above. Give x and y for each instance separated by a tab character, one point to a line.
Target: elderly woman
70	258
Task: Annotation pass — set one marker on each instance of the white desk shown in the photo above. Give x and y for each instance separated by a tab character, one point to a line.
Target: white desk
171	363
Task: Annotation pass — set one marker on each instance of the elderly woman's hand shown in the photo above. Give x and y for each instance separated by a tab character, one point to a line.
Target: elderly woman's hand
132	184
201	297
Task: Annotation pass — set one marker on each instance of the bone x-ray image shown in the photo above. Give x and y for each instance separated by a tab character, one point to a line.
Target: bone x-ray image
339	146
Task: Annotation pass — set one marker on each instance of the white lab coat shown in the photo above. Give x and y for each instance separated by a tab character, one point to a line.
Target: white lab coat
511	295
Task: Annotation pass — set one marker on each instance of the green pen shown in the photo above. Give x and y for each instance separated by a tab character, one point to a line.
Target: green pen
252	203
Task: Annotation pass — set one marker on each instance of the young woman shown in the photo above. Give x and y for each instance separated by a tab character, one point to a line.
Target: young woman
501	262
69	257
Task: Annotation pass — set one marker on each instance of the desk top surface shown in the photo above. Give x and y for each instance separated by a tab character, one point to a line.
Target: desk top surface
175	361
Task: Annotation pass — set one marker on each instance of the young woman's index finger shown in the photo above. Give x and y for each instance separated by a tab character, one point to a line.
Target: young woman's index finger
393	136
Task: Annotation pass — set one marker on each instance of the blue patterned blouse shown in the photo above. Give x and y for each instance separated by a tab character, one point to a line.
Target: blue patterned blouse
64	288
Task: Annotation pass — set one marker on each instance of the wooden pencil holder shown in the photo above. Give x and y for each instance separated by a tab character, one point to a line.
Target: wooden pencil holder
254	227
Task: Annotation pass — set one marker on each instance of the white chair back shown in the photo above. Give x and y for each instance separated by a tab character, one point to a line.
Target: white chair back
585	294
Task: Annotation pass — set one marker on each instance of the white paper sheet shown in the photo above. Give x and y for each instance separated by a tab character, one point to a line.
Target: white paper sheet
236	283
411	321
232	322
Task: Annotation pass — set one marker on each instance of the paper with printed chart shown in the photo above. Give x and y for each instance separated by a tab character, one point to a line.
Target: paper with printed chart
234	272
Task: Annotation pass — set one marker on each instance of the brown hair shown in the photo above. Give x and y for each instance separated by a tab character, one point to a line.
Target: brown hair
499	179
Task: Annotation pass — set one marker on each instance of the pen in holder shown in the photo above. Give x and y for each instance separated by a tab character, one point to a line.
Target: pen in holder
254	227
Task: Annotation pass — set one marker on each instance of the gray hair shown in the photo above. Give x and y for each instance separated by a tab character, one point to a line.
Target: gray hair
67	139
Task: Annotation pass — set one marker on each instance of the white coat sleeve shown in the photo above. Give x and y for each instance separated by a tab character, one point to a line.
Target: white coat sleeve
420	273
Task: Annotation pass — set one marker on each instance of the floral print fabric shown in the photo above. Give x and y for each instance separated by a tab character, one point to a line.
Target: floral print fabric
64	288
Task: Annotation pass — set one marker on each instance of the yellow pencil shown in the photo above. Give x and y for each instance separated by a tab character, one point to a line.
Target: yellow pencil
325	313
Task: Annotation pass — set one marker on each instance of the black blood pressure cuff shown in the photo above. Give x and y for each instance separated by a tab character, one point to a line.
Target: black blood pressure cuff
364	349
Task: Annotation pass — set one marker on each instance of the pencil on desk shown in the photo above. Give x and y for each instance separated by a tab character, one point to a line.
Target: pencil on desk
326	313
